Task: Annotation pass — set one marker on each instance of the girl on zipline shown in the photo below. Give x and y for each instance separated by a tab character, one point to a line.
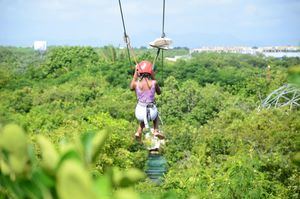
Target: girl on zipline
145	86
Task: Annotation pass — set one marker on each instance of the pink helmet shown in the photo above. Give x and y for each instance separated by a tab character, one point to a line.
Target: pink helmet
144	67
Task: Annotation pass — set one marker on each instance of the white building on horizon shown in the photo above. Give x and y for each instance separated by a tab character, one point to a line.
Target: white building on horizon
40	46
274	51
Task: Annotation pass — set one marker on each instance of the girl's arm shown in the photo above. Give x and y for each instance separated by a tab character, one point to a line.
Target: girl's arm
157	88
133	81
153	75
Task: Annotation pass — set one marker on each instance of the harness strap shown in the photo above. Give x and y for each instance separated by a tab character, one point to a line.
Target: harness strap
157	54
147	104
147	116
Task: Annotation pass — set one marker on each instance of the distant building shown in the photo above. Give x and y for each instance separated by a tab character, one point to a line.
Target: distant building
273	51
182	57
220	49
40	45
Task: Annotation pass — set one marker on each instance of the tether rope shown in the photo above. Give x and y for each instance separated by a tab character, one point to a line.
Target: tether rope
162	54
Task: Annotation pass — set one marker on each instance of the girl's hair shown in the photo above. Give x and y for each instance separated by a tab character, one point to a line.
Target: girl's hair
143	75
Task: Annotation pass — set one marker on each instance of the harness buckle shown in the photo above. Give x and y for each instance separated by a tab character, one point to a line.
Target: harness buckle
150	105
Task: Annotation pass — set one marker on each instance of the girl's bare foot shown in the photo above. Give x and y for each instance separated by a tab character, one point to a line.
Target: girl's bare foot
158	134
138	137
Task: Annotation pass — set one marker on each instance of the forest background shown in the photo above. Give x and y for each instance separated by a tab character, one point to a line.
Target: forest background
219	144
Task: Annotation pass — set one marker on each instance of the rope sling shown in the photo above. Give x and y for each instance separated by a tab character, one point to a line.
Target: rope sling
127	39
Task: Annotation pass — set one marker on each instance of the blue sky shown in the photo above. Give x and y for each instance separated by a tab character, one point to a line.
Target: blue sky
191	23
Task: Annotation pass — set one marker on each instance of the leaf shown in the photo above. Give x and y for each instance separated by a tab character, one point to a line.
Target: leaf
98	142
68	155
42	178
86	150
17	163
127	193
31	190
131	177
116	175
13	139
103	187
4	168
44	182
73	181
14	142
126	178
50	156
12	186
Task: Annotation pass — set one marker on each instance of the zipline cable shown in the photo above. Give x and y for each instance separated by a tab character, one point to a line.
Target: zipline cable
126	37
163	35
163	21
125	33
162	54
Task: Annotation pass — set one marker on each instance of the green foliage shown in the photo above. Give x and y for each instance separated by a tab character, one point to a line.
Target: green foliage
108	53
49	154
61	60
226	161
218	144
294	75
65	174
190	102
14	146
7	55
5	76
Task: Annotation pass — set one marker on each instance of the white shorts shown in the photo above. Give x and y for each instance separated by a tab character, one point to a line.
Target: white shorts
141	113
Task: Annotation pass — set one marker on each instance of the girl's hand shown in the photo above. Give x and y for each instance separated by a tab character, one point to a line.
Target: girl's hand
135	75
153	75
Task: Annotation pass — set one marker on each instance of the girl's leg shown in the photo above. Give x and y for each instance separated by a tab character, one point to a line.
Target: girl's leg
156	131
155	125
138	134
140	128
